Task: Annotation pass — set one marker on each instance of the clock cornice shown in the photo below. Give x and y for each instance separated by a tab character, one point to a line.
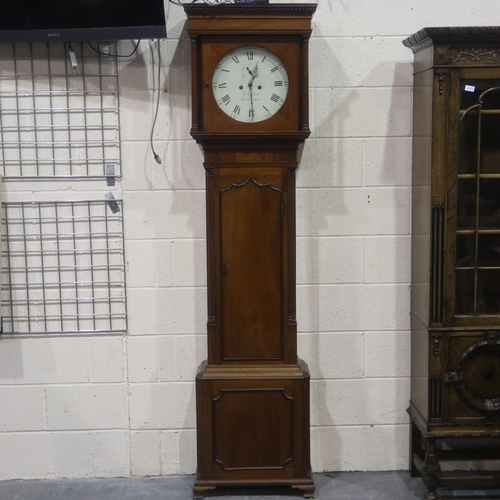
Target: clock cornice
283	18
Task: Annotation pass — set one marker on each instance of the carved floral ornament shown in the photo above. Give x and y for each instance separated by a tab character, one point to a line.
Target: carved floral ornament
450	55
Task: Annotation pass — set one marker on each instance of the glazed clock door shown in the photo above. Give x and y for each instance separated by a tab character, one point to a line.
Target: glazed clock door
251	87
251	214
250	83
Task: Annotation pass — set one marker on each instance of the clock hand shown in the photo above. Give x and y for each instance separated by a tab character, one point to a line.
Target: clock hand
250	90
254	72
251	101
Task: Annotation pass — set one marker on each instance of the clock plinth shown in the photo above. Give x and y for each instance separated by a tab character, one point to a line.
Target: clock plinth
252	393
253	427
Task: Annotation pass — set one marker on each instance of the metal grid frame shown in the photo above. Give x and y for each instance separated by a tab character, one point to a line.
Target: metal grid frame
63	267
57	121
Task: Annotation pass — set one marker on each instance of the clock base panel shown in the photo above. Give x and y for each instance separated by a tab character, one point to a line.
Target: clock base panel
253	427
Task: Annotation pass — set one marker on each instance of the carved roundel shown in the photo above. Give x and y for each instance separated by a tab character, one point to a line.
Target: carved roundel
479	369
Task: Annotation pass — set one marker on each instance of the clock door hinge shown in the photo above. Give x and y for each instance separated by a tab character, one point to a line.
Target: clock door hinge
282	210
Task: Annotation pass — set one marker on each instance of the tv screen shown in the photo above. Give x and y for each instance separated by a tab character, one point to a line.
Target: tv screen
80	20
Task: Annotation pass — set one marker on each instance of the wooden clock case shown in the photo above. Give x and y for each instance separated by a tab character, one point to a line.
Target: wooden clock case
252	392
455	311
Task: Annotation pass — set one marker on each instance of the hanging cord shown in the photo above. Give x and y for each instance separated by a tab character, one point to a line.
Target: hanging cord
155	155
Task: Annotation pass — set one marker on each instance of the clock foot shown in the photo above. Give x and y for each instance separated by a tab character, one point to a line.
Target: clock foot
307	490
199	491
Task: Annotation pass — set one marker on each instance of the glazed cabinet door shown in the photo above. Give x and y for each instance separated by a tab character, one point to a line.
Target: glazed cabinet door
473	210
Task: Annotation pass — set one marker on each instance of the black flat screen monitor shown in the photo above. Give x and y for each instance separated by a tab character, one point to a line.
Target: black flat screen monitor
80	20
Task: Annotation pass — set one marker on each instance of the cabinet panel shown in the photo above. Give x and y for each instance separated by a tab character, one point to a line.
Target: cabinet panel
472	376
421	196
253	428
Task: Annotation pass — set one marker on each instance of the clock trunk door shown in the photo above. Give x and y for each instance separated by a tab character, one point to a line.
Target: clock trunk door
251	241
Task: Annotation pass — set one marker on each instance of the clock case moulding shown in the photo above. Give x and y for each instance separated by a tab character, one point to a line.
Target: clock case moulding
252	393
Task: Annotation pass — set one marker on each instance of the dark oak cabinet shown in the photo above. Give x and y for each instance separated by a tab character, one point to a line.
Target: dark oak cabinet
250	115
455	311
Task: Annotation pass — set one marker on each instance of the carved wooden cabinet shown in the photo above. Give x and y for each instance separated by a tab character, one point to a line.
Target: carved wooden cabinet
250	114
455	311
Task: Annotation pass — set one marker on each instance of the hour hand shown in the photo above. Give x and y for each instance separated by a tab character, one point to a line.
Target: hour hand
253	73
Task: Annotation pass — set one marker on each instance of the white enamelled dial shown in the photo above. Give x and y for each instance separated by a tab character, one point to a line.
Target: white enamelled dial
250	83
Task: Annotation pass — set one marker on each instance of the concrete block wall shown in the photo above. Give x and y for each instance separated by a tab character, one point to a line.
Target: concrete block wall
113	405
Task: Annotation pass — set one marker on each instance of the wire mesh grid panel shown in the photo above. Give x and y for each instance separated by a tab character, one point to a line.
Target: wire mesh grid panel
57	121
63	267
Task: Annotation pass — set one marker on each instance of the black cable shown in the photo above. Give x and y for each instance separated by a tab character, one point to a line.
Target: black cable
155	155
115	55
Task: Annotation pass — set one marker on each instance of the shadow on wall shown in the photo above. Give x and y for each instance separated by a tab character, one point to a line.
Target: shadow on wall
11	360
344	113
396	171
326	445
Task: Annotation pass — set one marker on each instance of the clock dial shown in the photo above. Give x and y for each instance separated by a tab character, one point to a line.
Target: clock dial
250	83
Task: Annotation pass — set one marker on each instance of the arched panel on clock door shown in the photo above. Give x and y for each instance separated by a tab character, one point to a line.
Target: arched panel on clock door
251	228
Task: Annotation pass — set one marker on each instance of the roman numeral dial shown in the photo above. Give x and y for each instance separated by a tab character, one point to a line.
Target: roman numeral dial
250	83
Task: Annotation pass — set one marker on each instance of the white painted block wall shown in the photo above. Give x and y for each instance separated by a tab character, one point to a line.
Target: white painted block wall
83	406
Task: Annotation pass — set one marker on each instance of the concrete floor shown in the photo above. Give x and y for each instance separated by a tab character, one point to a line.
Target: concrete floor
329	486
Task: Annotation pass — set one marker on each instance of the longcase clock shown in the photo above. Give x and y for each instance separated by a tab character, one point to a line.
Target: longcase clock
455	382
250	114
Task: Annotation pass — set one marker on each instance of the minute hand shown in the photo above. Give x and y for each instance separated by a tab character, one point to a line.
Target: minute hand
253	74
250	89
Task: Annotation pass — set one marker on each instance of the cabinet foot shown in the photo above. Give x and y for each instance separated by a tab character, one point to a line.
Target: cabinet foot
431	495
307	489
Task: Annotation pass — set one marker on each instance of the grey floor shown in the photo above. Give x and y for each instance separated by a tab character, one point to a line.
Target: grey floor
329	486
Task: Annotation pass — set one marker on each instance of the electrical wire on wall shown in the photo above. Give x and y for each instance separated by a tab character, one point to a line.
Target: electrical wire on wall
155	154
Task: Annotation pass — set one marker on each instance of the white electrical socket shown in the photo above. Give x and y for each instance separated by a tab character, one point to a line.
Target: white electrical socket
105	47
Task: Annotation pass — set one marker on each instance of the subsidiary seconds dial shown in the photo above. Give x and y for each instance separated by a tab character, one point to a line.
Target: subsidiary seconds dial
250	83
